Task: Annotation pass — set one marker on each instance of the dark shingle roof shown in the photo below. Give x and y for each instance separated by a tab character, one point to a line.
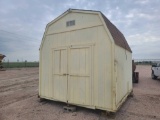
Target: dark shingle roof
116	34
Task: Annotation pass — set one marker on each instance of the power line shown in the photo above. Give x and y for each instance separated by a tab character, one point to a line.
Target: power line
17	34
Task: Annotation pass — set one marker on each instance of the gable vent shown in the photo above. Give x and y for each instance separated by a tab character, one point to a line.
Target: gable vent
70	23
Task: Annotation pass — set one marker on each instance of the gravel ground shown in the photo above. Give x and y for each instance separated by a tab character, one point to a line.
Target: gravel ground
18	100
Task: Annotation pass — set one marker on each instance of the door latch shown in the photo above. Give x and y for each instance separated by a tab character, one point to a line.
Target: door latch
65	74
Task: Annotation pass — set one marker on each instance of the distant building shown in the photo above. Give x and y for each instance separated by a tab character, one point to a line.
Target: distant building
2	56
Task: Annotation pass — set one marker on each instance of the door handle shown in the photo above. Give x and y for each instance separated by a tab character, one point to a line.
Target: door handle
65	74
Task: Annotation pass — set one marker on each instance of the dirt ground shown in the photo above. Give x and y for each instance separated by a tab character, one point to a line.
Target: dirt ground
19	101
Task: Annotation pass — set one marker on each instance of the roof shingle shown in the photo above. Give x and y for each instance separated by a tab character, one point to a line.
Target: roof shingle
116	34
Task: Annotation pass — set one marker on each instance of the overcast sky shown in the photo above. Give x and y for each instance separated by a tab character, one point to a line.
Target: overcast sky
22	23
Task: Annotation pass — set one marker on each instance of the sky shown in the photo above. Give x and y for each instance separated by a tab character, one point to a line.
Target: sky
22	24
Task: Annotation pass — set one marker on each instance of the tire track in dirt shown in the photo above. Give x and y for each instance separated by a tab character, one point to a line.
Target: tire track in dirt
143	116
20	76
12	81
18	99
25	81
17	86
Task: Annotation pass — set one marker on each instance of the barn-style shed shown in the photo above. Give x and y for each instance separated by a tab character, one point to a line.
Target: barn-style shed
85	61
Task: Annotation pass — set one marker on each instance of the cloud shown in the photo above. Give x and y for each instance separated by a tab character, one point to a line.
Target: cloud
142	1
23	22
143	38
145	46
16	46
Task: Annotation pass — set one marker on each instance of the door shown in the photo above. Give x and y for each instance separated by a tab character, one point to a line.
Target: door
72	75
79	77
60	74
157	70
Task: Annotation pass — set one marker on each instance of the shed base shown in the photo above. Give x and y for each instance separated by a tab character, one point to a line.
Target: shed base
108	110
69	108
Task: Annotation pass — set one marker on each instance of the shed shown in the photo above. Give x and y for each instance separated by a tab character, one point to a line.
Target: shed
85	61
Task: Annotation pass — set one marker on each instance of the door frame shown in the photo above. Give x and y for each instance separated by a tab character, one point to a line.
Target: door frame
68	48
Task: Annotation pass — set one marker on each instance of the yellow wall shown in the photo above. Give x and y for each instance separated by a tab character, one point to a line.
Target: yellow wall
88	31
123	60
82	20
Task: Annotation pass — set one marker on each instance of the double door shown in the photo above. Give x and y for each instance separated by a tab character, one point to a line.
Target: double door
72	74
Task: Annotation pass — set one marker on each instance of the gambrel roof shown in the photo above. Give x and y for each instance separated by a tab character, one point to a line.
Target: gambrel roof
116	34
118	37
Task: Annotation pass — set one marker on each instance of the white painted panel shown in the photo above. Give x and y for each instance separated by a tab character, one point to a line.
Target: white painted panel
124	73
77	90
59	74
81	21
79	80
103	71
45	76
56	59
98	85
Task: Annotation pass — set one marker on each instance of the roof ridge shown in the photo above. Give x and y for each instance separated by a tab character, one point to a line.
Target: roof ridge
84	10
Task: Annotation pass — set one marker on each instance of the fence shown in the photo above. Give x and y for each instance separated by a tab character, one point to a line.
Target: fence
19	64
146	61
36	64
